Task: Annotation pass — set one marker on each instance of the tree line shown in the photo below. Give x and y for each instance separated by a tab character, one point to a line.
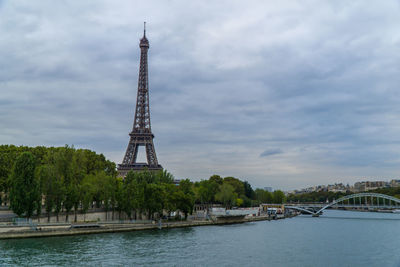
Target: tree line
58	176
69	180
231	191
66	179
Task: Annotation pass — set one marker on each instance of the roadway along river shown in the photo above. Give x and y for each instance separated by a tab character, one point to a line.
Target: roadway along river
337	238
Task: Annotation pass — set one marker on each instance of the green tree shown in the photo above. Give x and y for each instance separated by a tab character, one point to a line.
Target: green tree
186	186
119	197
169	202
263	196
236	184
248	190
128	193
46	175
24	185
184	202
216	178
226	195
164	177
279	197
4	171
239	202
86	192
59	195
108	191
206	190
71	197
154	195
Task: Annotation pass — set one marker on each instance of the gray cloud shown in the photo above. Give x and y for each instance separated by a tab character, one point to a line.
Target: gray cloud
227	79
271	152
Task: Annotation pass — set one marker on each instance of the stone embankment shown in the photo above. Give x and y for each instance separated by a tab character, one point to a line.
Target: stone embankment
48	230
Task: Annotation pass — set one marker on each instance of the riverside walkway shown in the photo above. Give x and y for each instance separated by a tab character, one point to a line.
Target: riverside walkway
66	229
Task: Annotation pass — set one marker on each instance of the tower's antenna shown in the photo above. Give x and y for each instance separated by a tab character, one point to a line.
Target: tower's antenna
144	32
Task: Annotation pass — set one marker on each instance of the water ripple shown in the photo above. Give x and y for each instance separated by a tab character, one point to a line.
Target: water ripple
337	238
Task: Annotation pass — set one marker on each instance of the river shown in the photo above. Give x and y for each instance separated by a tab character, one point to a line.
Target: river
337	238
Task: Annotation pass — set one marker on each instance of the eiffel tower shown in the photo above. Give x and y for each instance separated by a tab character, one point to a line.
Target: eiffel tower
141	134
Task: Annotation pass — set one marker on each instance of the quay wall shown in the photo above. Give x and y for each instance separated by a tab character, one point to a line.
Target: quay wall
7	215
48	230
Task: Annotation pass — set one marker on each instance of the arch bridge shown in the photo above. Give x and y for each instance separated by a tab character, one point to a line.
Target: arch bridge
354	201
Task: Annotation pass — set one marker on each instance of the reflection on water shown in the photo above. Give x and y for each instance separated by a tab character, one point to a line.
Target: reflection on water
337	238
359	215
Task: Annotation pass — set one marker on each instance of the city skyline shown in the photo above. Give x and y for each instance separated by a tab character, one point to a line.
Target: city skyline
360	186
285	95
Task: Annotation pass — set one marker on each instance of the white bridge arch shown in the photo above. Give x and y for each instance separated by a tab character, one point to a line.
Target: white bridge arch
359	196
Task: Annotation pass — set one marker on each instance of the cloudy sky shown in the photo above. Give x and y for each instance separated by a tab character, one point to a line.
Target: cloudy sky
285	94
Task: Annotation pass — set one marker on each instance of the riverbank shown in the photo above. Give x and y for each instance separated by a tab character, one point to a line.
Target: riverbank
50	230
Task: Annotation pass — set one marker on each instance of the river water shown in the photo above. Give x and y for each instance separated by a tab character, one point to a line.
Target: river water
337	238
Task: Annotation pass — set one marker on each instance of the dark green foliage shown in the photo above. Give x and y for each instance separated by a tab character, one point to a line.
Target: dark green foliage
227	195
205	191
71	197
24	191
263	196
154	196
315	197
169	203
46	174
132	193
153	192
60	177
184	197
164	177
248	191
218	190
217	179
391	191
4	172
279	197
186	186
237	185
184	202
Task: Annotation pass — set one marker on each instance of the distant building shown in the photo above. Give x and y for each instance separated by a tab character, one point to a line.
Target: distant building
359	187
369	185
375	185
340	187
394	183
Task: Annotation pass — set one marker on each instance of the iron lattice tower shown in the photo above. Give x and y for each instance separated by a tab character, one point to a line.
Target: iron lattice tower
141	134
